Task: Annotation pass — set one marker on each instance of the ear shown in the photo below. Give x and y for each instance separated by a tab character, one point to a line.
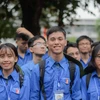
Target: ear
16	59
16	41
47	44
31	49
65	42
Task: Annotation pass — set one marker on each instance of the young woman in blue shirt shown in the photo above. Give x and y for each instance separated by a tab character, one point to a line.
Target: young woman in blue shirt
13	84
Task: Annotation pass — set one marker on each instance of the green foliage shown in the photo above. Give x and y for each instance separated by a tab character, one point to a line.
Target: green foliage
71	39
40	13
98	28
8	18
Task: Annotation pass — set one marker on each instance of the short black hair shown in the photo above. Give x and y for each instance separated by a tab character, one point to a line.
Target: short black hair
22	36
31	40
70	44
95	43
83	37
56	29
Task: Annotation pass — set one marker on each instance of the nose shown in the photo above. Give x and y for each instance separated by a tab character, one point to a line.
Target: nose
6	58
56	41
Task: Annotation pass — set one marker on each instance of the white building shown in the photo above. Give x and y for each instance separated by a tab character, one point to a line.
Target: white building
82	27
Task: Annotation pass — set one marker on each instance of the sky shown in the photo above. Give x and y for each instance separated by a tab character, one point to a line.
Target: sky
85	15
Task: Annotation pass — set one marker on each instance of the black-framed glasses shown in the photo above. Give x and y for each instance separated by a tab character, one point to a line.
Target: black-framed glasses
38	44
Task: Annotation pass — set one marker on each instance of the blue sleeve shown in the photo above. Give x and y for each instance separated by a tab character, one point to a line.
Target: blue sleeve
26	70
25	89
84	88
35	86
76	91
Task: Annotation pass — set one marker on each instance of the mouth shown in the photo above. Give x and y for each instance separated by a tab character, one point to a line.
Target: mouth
57	47
6	64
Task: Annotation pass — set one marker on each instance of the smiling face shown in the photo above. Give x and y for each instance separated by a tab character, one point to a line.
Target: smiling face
7	59
56	42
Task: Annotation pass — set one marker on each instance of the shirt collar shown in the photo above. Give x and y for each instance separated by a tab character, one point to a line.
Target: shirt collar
95	74
27	51
87	61
50	61
14	75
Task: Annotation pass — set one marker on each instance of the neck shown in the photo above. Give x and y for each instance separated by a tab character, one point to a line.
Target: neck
85	57
36	59
57	57
6	73
20	53
98	72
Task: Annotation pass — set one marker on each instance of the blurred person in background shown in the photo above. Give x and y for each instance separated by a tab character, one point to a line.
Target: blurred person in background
84	45
24	54
37	46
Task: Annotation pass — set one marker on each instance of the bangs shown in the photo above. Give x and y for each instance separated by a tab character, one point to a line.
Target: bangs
6	50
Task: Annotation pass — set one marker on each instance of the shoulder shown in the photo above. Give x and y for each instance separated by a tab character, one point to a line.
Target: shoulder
28	65
26	79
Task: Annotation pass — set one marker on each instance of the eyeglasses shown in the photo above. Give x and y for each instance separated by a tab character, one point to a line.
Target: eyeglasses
82	44
39	44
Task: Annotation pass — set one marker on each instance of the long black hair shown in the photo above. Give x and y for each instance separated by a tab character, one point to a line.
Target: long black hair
92	66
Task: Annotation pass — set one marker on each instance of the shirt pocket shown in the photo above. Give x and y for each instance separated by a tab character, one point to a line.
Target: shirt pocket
65	85
92	94
3	95
15	92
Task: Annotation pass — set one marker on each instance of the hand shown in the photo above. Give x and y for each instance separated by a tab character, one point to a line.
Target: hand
25	31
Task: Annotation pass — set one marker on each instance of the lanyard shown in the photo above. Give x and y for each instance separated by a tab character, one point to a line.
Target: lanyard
6	89
97	89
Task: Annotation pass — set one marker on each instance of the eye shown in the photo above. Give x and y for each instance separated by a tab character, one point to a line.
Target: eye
60	38
52	39
1	56
9	55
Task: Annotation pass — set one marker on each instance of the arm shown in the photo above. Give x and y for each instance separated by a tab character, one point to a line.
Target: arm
25	89
76	91
25	31
35	86
84	88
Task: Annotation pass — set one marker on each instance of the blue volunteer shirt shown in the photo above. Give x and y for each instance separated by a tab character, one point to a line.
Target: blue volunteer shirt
93	91
56	78
27	57
85	64
27	68
10	88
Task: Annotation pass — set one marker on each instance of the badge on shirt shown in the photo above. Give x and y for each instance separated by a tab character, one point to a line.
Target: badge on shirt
59	95
66	81
16	90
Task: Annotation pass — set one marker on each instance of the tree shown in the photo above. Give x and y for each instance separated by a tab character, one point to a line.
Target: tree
98	28
36	13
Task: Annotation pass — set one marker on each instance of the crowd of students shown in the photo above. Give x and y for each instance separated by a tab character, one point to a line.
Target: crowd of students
40	69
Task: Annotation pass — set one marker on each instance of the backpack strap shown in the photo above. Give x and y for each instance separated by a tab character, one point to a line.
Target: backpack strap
72	72
21	75
42	71
88	76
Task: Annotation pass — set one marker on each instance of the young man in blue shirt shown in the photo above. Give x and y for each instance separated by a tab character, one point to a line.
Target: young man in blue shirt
37	46
24	54
84	45
57	75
